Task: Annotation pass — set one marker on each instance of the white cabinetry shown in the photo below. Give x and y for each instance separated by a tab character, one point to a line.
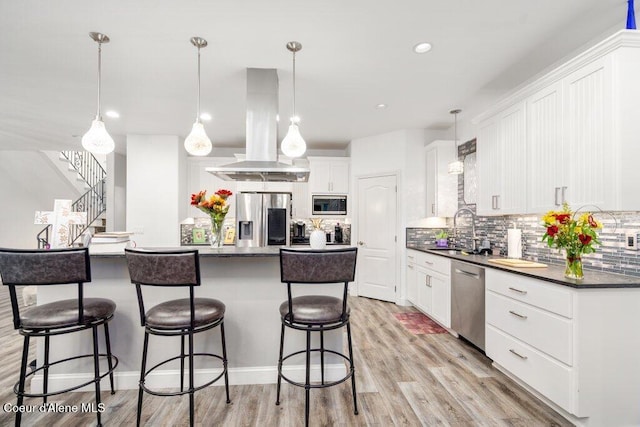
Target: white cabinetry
501	162
577	126
329	175
576	347
429	285
441	187
548	159
301	200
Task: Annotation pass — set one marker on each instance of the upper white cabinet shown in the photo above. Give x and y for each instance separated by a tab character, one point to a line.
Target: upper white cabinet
501	148
546	151
329	175
441	187
578	131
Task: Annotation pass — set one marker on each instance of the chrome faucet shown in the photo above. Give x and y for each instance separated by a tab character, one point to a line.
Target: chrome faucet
474	238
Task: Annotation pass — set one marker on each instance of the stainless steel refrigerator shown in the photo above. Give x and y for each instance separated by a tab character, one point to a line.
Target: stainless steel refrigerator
263	219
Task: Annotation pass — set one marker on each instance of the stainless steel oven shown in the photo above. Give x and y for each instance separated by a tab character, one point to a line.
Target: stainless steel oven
329	205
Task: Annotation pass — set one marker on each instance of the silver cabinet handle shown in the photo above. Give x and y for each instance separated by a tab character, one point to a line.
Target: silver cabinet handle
361	243
556	197
428	262
517	354
427	281
518	291
563	194
410	266
497	202
433	208
410	257
517	314
493	202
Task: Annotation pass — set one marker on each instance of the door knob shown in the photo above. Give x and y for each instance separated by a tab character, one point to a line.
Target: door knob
361	243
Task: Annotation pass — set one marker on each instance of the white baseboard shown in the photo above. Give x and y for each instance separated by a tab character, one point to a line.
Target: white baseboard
171	378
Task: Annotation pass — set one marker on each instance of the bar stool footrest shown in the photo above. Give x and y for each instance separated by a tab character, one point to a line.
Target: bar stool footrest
326	384
179	393
114	361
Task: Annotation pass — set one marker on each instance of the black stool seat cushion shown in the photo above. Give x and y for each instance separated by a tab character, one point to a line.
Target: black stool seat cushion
314	309
64	313
176	314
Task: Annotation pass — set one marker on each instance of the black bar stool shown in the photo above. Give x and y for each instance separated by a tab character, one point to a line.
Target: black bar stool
56	267
316	313
178	317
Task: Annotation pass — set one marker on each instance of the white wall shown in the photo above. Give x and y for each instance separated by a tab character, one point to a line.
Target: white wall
156	189
29	182
116	188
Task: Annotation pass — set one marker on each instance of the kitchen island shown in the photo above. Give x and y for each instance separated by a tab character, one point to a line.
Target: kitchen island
246	280
574	344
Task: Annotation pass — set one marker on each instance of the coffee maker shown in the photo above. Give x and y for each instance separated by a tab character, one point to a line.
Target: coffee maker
299	231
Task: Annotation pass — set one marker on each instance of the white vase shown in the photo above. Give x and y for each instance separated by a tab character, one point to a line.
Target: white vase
318	239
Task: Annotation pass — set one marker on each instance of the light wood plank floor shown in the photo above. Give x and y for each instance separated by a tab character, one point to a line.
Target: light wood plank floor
402	379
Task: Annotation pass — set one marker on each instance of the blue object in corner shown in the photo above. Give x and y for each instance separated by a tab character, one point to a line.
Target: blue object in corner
631	18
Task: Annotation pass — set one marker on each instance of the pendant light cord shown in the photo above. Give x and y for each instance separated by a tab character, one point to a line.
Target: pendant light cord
198	110
98	115
293	118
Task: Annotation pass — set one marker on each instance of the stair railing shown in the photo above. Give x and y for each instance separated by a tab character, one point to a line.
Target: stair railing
93	201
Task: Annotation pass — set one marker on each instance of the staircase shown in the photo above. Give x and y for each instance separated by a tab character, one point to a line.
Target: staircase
92	176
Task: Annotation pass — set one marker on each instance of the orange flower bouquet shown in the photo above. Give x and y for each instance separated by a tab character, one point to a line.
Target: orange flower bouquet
216	207
575	236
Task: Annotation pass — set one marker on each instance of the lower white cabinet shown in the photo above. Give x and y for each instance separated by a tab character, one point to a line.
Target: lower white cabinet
577	347
429	285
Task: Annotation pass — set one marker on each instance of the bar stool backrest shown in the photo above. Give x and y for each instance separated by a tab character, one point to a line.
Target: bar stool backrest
318	266
314	266
163	268
22	267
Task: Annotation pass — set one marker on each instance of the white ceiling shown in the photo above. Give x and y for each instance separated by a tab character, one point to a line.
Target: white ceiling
356	54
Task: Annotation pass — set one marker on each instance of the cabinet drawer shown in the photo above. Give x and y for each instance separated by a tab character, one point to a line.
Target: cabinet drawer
554	298
436	263
549	333
541	372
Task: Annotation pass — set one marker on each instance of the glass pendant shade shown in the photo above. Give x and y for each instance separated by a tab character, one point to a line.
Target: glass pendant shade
97	140
198	143
293	144
456	167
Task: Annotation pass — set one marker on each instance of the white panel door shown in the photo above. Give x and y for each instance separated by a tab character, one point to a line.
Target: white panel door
545	152
588	100
377	206
513	143
489	161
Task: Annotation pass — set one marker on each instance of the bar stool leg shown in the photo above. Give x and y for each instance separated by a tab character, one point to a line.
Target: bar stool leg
280	365
307	382
353	371
191	397
143	369
96	371
322	356
182	362
23	374
110	363
224	361
45	384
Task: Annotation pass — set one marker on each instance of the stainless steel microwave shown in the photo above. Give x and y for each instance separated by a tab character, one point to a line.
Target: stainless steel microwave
329	205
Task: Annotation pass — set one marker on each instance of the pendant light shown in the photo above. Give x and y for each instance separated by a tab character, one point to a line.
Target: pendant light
293	144
456	167
198	143
97	140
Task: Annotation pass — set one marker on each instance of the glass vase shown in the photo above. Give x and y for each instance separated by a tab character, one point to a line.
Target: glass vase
573	269
215	238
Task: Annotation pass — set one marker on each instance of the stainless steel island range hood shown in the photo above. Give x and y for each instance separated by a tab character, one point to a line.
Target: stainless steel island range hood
261	162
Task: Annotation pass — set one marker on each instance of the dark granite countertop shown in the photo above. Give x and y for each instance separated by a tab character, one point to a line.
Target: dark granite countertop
553	273
223	252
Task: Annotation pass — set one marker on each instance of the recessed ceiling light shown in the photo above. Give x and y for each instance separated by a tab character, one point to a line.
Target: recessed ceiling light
205	116
112	114
422	47
381	106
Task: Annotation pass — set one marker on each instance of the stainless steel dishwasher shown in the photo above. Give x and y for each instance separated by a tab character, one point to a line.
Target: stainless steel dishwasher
467	302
